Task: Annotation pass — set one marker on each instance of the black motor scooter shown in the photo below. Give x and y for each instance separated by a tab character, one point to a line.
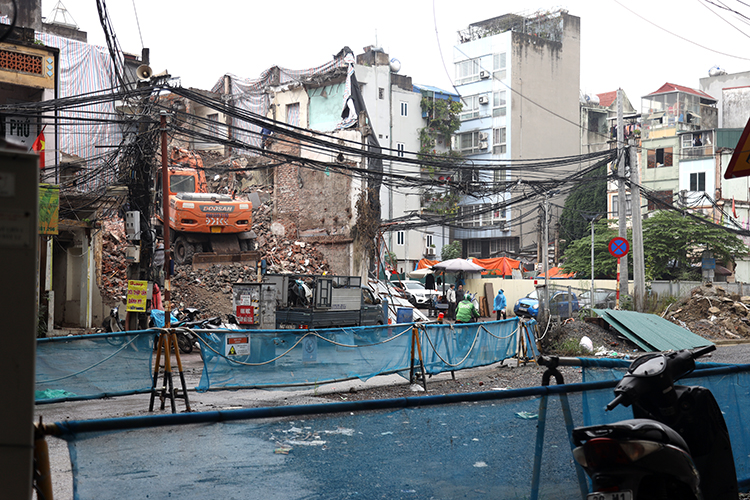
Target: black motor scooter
676	447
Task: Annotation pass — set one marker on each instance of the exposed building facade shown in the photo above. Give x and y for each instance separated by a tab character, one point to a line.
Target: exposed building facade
519	79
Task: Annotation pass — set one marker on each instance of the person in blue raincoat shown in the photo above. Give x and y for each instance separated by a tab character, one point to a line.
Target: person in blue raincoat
499	305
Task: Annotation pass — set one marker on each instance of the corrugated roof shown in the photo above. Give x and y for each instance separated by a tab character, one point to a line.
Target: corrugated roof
607	98
439	93
651	332
673	87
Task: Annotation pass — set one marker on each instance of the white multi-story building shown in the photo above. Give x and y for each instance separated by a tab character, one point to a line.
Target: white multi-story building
518	77
394	106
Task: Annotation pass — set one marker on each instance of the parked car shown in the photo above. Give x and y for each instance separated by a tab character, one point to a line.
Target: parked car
417	294
529	306
603	299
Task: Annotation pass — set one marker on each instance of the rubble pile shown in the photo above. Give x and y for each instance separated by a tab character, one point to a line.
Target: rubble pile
114	280
713	313
209	290
282	254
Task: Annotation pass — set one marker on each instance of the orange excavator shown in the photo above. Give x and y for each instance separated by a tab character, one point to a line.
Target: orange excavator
205	228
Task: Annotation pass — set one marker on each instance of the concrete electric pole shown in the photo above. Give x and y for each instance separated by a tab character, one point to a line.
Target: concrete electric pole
621	195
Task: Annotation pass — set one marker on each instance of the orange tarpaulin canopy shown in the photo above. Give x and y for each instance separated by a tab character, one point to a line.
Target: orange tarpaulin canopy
426	263
500	266
557	273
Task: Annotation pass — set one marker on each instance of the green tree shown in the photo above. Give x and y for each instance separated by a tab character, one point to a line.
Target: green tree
577	255
590	199
443	121
451	251
672	245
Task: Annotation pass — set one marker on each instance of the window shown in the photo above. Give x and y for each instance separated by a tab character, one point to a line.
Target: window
292	114
470	216
472	142
698	181
467	71
381	93
404	108
665	197
500	175
616	206
498	63
498	103
471	107
400	149
213	123
469	174
503	245
400	235
474	248
481	215
429	240
499	137
661	157
182	183
597	122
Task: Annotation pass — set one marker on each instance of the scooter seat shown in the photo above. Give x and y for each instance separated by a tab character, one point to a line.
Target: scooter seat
633	429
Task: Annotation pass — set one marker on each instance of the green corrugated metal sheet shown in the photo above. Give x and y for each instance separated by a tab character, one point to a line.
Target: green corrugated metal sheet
651	332
728	137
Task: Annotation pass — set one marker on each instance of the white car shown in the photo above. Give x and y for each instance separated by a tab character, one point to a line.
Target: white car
418	294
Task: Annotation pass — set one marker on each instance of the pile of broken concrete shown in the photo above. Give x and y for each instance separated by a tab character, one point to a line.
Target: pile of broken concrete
113	278
713	313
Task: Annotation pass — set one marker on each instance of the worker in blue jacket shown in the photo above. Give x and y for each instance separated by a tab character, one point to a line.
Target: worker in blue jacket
499	305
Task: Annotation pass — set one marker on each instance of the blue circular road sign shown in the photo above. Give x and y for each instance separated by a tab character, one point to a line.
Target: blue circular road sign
618	247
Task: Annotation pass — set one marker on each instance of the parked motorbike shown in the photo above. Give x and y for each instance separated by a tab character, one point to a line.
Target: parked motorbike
677	445
113	323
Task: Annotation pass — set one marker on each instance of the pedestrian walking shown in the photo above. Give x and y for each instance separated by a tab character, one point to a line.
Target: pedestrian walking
499	305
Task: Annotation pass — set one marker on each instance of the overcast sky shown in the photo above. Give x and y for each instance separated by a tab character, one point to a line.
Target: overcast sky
621	45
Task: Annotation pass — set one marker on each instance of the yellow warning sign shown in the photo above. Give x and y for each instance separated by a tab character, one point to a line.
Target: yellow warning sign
232	351
739	165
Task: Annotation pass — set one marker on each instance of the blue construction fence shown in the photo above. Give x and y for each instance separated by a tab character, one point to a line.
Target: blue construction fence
102	365
495	444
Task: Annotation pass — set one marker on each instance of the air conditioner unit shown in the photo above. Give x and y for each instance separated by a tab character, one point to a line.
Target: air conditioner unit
483	145
483	99
484	74
484	136
429	250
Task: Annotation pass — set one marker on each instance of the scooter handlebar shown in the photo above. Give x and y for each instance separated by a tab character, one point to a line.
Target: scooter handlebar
615	402
700	351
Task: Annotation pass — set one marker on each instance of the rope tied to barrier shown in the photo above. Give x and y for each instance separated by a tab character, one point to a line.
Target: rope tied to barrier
92	366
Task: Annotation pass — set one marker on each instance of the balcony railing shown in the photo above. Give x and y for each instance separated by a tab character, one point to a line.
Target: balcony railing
697	151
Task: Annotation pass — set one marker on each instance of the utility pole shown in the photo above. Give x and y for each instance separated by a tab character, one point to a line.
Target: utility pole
639	267
545	254
621	199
